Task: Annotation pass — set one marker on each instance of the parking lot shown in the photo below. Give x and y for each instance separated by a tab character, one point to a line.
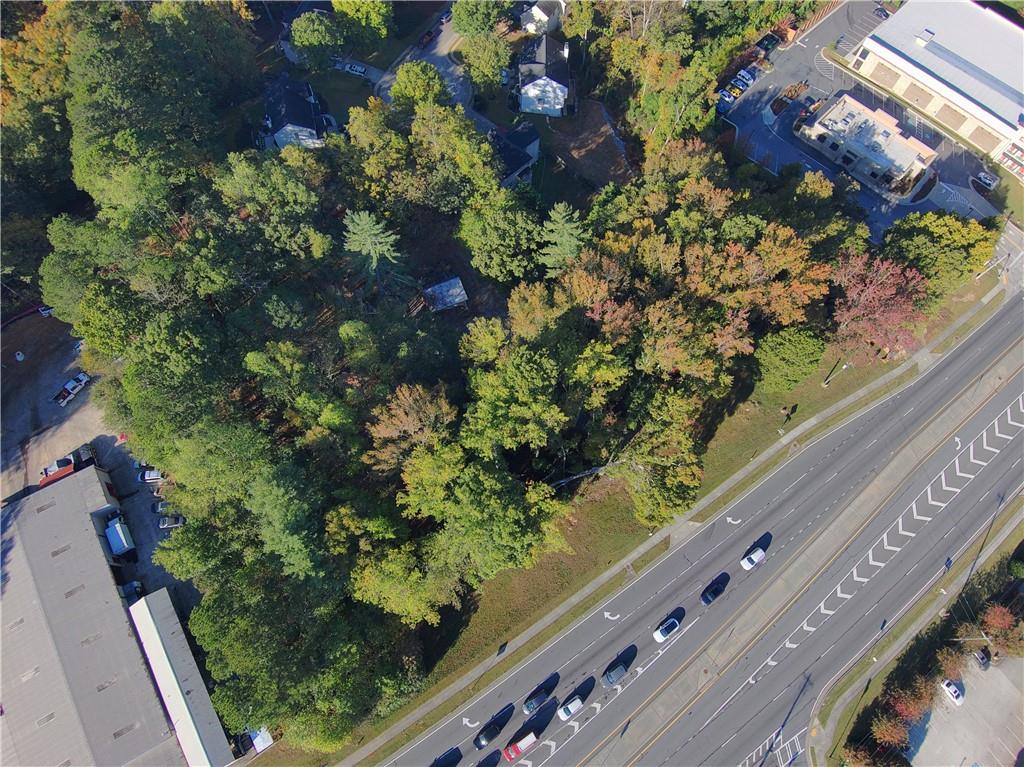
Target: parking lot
988	729
770	141
36	431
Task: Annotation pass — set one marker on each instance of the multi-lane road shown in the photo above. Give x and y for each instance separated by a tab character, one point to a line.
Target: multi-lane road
737	682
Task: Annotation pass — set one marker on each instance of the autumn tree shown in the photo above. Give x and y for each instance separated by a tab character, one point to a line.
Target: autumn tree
412	416
879	306
889	730
951	662
913	701
998	620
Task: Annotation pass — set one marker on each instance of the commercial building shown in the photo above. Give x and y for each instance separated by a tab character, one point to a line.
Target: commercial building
869	145
958	64
77	687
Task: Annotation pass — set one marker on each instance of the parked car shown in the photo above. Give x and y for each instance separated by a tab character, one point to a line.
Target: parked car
753	559
734	91
45	310
486	735
515	750
447	15
714	590
160	507
740	83
506	75
612	676
425	38
983	657
747	75
150	476
535	701
881	13
768	43
570	707
987	180
71	388
355	69
170	522
60	463
664	631
953	692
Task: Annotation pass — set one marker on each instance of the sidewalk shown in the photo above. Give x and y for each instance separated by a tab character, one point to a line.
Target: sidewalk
680	531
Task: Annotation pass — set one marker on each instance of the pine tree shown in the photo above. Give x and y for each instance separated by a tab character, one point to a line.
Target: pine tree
369	240
563	235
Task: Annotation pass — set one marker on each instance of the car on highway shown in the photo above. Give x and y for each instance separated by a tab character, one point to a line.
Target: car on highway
611	677
664	631
486	735
535	701
952	692
753	559
171	522
714	590
514	751
570	707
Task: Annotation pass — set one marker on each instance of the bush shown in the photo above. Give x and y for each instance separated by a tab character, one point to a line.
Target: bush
787	358
889	730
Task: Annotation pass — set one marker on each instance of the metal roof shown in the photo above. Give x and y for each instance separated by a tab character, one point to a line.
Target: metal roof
445	295
76	689
970	50
199	731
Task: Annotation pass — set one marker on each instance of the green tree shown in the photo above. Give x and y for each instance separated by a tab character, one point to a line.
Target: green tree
370	242
483	340
398	582
283	505
787	358
317	38
477	17
418	82
281	368
514	403
563	236
500	235
600	372
371	19
486	55
944	247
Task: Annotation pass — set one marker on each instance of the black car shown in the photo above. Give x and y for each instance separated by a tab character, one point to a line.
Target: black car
881	13
486	735
535	701
714	590
446	16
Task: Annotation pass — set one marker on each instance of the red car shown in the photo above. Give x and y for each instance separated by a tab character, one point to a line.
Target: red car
426	38
516	750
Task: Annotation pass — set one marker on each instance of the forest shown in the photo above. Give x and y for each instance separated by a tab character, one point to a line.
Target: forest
348	471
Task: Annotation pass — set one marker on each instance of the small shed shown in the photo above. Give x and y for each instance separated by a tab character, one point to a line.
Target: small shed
446	295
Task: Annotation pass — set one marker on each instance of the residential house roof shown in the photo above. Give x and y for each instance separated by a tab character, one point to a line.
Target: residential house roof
549	8
523	136
543	57
289	102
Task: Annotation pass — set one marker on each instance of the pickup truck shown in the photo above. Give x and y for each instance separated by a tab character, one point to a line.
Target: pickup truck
71	388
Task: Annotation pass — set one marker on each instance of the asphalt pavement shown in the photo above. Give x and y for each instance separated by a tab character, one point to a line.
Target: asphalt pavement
782	514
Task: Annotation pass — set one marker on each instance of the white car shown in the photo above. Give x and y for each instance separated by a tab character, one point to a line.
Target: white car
753	559
150	476
953	692
355	69
570	707
987	180
172	521
747	76
60	463
664	631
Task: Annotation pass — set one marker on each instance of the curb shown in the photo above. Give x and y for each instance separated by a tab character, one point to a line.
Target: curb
820	743
679	531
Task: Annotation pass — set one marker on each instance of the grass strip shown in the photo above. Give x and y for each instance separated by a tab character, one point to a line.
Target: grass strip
650	555
970	325
877	681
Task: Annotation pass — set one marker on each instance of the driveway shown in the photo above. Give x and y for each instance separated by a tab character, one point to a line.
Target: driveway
773	145
35	431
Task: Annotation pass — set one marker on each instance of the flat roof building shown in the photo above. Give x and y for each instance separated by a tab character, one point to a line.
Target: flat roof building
957	63
181	686
869	145
76	688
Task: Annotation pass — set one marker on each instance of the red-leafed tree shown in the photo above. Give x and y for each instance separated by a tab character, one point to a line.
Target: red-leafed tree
889	730
912	702
878	308
998	619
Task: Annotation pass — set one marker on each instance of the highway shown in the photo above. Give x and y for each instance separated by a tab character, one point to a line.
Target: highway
690	700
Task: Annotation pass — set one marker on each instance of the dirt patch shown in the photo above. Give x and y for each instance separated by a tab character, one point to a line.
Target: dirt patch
588	145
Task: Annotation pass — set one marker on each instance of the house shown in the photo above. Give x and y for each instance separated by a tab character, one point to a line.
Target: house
445	295
517	151
293	116
542	17
544	79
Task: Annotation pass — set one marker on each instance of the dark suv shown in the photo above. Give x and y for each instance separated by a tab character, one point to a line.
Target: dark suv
486	735
714	590
535	701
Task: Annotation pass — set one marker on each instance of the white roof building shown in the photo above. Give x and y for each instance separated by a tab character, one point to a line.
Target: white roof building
181	686
958	63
